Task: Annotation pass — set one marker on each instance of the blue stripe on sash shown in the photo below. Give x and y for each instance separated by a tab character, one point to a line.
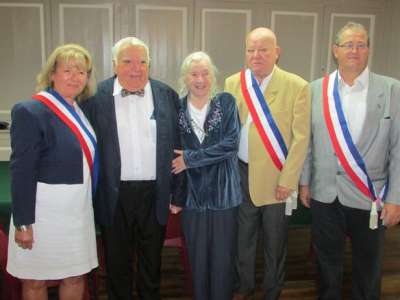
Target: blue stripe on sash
347	136
268	115
72	111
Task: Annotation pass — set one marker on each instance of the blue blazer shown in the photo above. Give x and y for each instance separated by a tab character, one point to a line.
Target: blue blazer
100	110
45	150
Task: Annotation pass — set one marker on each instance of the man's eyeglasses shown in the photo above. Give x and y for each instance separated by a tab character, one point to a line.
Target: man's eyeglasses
351	46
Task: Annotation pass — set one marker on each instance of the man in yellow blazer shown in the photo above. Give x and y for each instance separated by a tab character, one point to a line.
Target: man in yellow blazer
265	187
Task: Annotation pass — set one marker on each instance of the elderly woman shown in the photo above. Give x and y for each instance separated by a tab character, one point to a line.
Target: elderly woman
210	128
53	174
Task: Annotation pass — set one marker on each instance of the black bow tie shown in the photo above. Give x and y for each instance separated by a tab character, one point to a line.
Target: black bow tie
125	92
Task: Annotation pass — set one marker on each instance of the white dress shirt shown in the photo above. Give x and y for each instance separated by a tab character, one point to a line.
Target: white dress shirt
354	103
137	134
243	152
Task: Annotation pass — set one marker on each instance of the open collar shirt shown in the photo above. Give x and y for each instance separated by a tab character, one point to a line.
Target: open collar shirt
243	153
354	102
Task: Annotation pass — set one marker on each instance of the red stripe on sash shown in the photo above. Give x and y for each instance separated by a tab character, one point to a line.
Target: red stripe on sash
360	185
257	122
71	125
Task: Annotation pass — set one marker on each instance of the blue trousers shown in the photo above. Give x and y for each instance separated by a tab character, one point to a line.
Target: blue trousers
211	237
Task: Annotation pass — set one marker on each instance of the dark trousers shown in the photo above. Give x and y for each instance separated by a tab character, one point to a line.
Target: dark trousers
273	223
331	223
135	230
211	239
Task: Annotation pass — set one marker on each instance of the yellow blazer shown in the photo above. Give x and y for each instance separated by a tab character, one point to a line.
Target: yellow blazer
288	98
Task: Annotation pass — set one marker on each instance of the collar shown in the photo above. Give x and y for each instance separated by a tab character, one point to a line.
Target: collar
118	87
361	81
198	110
268	78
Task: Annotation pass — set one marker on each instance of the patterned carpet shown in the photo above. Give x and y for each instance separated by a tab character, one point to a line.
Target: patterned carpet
301	275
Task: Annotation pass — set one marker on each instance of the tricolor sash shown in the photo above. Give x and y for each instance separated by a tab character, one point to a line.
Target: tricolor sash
345	149
263	119
85	134
266	126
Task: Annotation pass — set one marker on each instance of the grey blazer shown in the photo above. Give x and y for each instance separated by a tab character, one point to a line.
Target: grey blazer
379	145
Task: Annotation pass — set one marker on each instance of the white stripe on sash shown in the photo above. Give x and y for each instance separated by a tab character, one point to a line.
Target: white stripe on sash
263	118
65	111
345	149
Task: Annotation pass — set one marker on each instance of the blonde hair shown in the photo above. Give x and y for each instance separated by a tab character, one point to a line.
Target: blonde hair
65	53
198	56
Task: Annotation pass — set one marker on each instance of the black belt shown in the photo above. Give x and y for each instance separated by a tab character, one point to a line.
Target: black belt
243	162
137	183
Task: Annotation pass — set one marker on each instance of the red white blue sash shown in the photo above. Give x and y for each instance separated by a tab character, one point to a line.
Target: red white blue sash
85	134
263	119
266	127
345	149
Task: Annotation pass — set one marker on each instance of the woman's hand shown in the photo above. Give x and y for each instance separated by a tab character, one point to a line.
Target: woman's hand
174	209
178	164
24	238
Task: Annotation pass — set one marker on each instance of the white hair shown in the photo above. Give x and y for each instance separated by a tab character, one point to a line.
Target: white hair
185	69
129	41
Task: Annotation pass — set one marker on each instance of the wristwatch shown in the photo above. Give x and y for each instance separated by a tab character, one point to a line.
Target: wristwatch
22	227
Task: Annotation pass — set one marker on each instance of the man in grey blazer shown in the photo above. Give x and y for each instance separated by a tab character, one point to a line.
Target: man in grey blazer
340	208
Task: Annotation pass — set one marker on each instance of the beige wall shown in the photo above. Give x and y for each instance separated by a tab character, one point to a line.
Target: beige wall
392	33
30	29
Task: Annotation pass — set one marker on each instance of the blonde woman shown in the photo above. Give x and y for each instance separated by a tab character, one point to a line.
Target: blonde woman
53	175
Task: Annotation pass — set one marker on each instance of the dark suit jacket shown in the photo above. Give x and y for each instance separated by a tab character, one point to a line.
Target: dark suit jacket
100	109
45	150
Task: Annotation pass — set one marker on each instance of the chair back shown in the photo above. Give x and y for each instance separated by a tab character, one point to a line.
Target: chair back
11	289
3	249
173	229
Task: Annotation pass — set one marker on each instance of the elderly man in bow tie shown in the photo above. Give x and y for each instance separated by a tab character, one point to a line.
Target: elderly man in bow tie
135	119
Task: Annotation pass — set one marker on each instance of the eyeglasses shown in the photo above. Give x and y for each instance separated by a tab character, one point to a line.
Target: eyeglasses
351	46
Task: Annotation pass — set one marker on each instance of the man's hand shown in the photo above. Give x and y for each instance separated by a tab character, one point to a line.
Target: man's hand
24	239
174	209
304	195
390	214
282	193
178	164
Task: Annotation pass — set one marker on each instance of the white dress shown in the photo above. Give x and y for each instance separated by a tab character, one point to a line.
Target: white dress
64	233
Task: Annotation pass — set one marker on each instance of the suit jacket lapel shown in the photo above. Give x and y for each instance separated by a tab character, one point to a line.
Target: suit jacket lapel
270	95
109	108
273	87
113	122
159	122
375	107
156	99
